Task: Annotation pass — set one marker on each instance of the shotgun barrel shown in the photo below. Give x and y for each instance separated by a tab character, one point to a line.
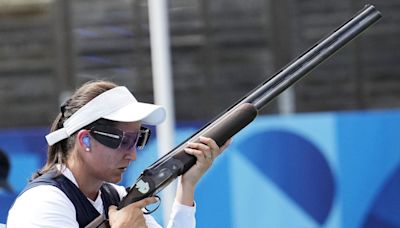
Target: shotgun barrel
239	115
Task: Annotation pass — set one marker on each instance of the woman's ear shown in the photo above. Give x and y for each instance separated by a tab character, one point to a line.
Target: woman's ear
84	140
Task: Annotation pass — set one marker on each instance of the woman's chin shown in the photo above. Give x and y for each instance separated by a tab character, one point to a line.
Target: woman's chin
115	179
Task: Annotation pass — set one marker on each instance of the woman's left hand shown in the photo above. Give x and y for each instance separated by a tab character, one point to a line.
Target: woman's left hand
205	151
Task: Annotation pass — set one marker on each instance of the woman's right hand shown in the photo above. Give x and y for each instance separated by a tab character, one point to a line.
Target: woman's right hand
131	215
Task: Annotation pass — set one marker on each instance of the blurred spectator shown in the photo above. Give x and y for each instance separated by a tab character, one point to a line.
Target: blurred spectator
7	194
4	170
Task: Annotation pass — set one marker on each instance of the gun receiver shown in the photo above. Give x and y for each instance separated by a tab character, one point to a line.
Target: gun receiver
239	115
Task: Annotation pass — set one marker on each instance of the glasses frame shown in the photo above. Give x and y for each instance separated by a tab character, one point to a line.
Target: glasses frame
142	136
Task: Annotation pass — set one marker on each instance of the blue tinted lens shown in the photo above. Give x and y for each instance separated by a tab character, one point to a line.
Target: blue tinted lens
129	141
115	138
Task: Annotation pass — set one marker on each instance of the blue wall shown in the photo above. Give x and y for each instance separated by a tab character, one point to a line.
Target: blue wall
311	170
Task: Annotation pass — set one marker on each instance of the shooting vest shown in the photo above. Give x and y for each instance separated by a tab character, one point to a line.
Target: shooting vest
85	211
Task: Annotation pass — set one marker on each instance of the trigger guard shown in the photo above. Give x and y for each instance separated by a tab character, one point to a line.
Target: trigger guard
147	211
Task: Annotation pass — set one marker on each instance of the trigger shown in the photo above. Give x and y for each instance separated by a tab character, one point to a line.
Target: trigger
152	207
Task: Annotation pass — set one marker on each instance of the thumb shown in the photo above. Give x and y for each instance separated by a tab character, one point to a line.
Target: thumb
112	209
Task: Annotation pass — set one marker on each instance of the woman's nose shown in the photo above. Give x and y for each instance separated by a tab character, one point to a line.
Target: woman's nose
131	154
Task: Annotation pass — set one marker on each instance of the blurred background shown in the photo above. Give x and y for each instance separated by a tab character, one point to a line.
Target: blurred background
323	154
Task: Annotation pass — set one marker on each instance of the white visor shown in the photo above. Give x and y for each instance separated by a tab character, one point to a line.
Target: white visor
117	104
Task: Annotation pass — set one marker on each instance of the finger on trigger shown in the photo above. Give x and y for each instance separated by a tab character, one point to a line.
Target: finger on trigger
146	201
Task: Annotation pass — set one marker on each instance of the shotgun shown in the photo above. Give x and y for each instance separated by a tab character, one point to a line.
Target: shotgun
176	162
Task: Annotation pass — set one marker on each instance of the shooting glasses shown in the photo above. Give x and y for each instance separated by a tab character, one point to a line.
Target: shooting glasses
115	138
